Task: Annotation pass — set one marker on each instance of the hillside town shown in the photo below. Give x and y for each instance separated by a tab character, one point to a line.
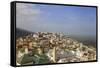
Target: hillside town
46	47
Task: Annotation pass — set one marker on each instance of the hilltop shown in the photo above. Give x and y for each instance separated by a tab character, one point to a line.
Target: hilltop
49	47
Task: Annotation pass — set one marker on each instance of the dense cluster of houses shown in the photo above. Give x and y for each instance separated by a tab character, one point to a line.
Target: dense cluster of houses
57	47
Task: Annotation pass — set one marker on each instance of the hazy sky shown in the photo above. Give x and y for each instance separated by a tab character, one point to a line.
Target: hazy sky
54	18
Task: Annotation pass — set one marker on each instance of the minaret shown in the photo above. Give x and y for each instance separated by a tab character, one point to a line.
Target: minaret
54	54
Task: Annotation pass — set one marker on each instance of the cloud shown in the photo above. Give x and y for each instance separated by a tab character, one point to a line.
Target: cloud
27	14
27	9
30	17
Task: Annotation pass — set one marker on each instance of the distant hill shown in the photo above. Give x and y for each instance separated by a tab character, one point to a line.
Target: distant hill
22	32
86	40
